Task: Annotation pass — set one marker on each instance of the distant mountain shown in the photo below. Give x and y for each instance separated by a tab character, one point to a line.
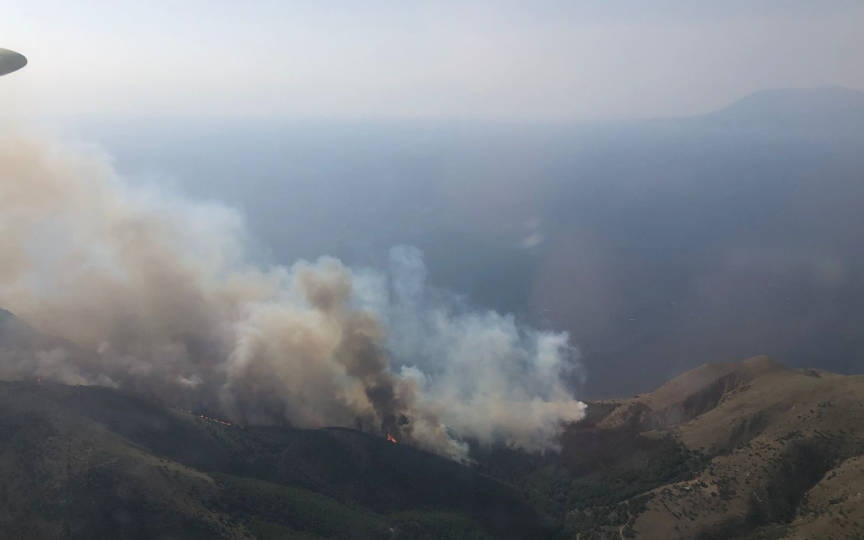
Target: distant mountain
19	342
827	109
16	333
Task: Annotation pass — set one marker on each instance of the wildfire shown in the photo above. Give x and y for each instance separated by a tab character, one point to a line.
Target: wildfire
391	438
216	420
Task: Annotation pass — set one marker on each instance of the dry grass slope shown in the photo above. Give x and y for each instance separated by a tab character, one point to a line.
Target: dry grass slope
783	450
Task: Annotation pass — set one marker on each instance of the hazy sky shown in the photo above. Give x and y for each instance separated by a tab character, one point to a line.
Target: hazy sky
379	58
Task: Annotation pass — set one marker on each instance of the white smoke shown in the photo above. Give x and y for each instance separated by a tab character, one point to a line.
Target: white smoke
153	293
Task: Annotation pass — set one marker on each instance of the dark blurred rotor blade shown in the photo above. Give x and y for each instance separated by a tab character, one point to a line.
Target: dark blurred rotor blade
11	61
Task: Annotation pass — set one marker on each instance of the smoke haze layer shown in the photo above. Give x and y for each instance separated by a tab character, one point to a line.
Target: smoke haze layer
153	293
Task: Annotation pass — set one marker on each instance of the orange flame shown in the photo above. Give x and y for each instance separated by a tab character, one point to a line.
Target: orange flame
391	438
206	418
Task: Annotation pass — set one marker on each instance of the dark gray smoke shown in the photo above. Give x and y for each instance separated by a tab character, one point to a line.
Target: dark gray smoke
154	293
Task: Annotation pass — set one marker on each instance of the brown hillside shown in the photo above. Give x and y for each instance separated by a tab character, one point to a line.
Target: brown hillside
782	452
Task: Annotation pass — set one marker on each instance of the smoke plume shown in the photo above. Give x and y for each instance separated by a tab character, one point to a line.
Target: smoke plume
153	293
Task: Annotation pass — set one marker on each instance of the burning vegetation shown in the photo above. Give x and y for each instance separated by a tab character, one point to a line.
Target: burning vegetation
213	420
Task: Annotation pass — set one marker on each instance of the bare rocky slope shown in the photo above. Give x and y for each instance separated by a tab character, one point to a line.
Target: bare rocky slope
762	452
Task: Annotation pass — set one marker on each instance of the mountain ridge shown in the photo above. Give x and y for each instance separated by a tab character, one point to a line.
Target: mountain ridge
829	109
749	449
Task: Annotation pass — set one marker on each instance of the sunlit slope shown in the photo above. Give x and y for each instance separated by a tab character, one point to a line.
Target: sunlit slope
781	448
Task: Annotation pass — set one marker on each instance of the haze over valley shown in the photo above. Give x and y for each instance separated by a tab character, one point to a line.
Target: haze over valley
657	245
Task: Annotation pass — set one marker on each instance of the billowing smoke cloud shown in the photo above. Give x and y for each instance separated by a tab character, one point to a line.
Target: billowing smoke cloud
155	294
